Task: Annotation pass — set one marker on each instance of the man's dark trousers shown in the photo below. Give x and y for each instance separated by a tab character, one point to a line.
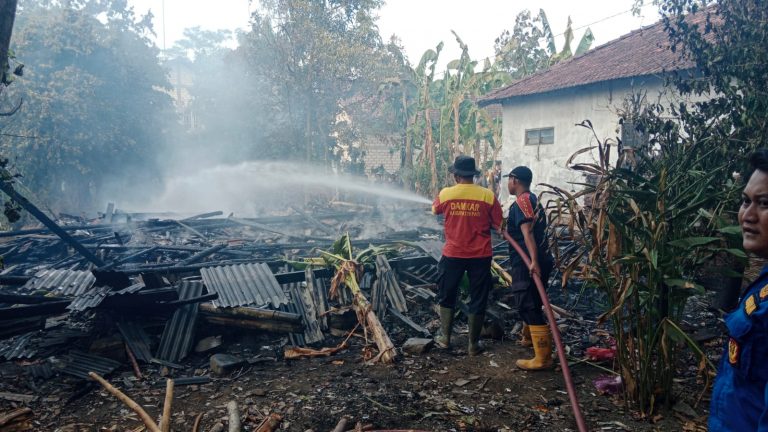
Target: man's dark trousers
449	275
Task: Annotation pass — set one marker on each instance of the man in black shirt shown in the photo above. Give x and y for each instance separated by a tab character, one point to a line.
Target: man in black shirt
527	225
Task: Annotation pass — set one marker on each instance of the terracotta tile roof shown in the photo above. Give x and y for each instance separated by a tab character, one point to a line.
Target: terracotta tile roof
642	52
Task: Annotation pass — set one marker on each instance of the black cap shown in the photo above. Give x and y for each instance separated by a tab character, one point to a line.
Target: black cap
464	166
521	173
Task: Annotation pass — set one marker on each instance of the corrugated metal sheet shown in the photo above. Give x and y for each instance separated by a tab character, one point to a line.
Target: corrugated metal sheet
433	248
179	332
18	347
244	284
79	364
66	283
89	299
39	370
320	291
305	304
94	297
296	339
136	339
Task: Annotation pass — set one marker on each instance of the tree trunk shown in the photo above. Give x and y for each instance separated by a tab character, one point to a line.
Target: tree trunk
7	17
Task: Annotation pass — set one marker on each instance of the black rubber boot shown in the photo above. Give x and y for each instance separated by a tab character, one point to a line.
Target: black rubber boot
443	340
475	326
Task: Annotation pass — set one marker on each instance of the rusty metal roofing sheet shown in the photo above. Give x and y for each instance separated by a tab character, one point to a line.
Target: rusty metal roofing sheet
67	283
179	332
244	284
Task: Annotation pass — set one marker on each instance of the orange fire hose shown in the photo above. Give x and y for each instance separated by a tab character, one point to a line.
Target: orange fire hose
555	335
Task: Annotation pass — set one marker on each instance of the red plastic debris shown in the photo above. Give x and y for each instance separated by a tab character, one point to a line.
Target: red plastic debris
600	354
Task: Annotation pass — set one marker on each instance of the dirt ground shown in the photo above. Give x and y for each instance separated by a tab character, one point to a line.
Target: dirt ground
435	391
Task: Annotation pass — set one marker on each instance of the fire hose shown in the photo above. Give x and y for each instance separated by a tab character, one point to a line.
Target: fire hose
555	335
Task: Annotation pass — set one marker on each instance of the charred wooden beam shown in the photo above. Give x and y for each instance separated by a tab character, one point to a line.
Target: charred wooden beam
271	326
26	299
6	187
129	258
202	298
204	215
314	222
200	255
410	322
251	313
49	308
142	300
14	280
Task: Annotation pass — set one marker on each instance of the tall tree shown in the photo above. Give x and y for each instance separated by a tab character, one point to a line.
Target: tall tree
94	109
316	54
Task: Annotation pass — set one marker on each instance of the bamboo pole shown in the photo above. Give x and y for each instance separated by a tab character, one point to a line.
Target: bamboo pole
145	418
165	421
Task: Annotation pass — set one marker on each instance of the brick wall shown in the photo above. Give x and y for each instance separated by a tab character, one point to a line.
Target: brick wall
382	150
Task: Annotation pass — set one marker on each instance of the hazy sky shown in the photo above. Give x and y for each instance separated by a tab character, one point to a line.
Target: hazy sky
421	24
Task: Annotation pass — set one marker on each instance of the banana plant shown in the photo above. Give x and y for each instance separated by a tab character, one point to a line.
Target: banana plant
565	53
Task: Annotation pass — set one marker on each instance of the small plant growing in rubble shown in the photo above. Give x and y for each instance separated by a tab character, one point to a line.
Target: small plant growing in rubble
644	226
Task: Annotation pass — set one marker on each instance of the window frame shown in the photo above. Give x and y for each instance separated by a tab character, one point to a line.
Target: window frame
539	136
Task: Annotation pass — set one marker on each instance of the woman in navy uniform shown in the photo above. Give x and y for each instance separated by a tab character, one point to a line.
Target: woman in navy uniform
740	395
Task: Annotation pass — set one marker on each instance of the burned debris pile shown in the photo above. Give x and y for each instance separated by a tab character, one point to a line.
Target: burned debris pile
169	295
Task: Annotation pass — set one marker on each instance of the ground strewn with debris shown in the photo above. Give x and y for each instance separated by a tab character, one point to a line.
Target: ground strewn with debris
224	308
435	391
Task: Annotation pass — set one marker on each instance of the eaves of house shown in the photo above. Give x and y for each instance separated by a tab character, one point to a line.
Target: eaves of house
642	52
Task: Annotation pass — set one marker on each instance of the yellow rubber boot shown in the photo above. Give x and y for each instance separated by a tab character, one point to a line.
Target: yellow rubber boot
525	336
542	347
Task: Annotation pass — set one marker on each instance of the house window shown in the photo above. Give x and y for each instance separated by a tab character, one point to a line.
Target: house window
540	136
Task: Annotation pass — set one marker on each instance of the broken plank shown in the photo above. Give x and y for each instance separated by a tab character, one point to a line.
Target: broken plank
18	397
410	322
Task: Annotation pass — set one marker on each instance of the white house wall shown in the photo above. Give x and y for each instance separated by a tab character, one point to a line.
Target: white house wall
600	103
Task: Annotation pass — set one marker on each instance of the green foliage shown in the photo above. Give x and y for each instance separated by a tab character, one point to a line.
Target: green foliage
313	55
530	46
649	229
94	109
727	43
665	210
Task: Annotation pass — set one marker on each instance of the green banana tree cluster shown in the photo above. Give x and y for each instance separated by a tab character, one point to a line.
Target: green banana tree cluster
440	117
438	113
